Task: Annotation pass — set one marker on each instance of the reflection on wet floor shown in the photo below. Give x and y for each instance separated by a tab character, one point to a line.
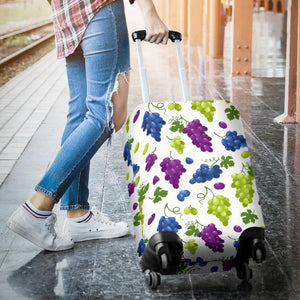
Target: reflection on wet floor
109	269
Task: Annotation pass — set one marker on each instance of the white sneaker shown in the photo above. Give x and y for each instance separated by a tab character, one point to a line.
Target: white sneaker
40	232
96	226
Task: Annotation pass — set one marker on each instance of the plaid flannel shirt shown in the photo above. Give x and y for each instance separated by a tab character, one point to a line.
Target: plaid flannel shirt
70	19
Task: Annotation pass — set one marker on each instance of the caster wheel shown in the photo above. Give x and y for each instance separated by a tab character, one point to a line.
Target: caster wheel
152	279
164	261
244	272
258	256
258	251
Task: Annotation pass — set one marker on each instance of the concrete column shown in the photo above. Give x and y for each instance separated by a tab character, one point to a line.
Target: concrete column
242	37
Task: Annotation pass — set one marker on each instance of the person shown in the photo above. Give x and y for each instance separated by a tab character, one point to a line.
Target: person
92	36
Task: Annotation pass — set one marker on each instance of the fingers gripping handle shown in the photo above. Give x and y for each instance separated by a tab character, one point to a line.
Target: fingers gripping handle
141	34
175	37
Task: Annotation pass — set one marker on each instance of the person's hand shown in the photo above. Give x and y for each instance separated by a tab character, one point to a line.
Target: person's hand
156	30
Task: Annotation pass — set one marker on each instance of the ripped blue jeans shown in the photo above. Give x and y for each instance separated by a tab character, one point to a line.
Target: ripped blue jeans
92	71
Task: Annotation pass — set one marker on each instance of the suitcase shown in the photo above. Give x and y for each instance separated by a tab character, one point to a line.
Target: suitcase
191	185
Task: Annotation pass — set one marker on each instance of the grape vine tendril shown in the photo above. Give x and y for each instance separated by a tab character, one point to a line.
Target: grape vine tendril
159	106
175	210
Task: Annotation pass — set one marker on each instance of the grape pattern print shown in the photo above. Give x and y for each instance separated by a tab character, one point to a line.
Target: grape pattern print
153	123
173	170
196	131
188	171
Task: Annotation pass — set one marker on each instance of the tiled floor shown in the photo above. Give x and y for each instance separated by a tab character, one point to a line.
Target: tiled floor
109	269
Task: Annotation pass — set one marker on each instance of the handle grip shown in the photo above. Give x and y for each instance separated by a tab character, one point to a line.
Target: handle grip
141	34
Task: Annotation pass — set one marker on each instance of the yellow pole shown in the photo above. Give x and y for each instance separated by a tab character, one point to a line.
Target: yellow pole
242	37
164	11
283	6
206	26
298	70
183	9
215	28
266	4
275	6
172	14
195	22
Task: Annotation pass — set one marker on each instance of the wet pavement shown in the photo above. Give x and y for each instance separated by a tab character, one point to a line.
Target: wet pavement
109	269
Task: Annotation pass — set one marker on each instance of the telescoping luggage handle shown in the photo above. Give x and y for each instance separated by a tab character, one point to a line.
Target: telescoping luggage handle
175	37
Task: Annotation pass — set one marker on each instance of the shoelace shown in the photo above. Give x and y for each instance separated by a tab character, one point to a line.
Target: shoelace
103	218
49	223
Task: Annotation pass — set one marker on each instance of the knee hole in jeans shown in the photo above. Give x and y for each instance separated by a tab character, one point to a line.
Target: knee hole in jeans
119	97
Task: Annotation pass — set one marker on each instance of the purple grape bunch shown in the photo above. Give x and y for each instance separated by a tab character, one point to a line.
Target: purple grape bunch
131	187
227	265
196	131
153	122
211	236
233	142
205	173
168	224
150	160
173	169
126	154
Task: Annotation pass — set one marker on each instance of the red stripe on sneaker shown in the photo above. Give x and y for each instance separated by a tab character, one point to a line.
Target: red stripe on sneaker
90	216
32	213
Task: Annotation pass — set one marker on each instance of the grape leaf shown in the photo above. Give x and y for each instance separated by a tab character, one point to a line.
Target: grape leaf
232	113
142	191
130	141
250	171
182	267
227	162
137	219
158	194
192	230
176	126
249	216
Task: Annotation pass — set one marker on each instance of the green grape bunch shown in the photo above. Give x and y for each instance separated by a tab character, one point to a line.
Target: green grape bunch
175	106
206	108
191	210
244	190
178	144
218	206
191	246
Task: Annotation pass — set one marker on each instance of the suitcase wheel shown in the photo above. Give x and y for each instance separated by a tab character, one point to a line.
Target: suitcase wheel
258	250
152	279
164	261
244	272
